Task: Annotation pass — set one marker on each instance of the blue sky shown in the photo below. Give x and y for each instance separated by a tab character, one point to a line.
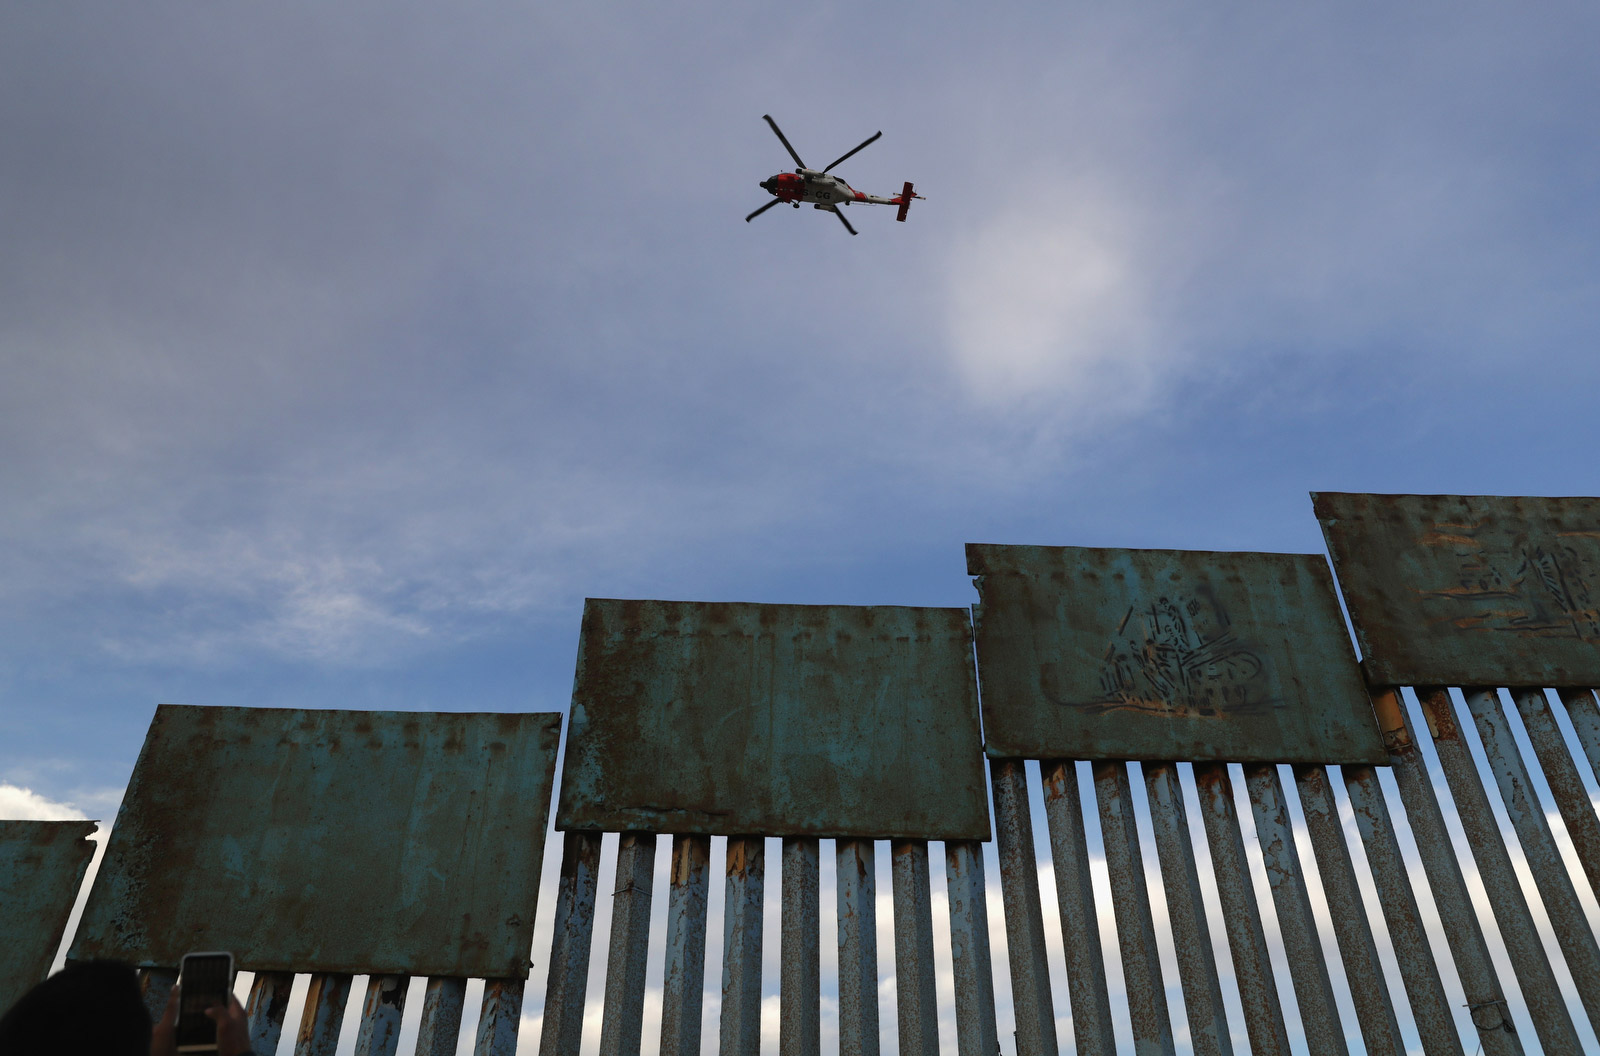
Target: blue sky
346	348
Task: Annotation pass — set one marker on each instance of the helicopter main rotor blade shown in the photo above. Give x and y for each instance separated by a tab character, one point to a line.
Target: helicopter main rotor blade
864	144
782	139
840	214
764	208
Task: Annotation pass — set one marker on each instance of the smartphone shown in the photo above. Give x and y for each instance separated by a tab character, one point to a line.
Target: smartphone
205	980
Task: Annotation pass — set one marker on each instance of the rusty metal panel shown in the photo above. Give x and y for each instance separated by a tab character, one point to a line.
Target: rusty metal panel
41	867
1469	589
777	720
367	842
1166	654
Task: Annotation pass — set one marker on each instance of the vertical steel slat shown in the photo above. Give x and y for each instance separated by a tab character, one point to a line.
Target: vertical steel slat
1430	1009
976	1033
800	981
1585	718
1486	1001
155	985
442	1002
622	1020
1241	914
684	976
1357	949
916	1001
1031	1004
1566	784
1080	923
1191	935
1130	898
269	1000
741	948
381	1012
571	938
1551	1019
323	1014
1313	990
1549	869
858	948
500	1015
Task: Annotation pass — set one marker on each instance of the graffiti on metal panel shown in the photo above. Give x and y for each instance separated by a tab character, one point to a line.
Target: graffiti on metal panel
1180	656
1534	588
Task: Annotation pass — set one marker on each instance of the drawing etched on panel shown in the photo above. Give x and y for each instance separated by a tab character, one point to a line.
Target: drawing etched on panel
1181	655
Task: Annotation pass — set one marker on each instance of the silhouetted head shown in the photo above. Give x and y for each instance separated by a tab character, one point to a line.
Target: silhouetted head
89	1007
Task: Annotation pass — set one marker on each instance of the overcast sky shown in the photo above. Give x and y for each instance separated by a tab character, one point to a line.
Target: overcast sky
344	348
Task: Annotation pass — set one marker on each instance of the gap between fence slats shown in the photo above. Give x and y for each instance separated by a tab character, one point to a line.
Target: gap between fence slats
1535	978
1130	899
1241	914
1031	1004
1080	921
1363	971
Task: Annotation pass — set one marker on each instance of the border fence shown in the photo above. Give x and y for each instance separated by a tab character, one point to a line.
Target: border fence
401	846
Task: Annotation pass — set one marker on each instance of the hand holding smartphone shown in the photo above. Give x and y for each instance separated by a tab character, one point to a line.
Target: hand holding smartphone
205	980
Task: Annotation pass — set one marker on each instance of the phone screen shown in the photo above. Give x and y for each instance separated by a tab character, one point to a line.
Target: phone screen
205	982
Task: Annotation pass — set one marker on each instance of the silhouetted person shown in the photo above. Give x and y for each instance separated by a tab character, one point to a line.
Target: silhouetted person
88	1007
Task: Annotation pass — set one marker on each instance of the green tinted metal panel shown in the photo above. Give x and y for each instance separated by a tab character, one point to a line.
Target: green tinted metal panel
1166	654
392	843
774	720
41	867
1469	589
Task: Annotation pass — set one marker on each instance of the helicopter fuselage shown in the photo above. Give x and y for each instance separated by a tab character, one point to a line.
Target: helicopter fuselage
817	188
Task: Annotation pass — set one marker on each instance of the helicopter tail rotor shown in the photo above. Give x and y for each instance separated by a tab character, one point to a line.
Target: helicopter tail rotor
904	200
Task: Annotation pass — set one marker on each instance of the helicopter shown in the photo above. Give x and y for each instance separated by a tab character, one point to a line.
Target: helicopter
822	190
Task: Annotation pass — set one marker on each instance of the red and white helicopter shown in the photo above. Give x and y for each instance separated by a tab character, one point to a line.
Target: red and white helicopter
822	190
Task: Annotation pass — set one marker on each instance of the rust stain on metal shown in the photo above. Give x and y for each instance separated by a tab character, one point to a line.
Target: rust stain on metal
774	720
1166	654
41	867
1469	589
330	841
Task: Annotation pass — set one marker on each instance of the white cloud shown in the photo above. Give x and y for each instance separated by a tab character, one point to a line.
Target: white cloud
24	804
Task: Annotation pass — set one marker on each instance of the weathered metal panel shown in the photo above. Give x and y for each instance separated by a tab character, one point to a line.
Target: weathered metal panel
777	720
268	1003
1130	899
742	919
1363	972
1031	1003
439	1032
622	1017
572	936
800	981
1241	914
370	842
1535	978
323	1014
1469	589
1166	654
1544	860
1186	912
1080	921
916	1005
1430	1010
858	948
976	1033
684	975
41	868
